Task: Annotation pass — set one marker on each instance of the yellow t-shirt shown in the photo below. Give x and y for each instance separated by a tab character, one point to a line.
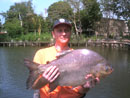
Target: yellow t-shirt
44	56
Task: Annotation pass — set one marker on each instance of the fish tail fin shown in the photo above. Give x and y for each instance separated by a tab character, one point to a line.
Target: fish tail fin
33	72
30	64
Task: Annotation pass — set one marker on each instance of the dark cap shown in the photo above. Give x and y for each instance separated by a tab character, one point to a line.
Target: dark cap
61	21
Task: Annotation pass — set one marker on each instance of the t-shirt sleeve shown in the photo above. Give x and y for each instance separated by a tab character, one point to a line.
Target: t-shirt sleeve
37	57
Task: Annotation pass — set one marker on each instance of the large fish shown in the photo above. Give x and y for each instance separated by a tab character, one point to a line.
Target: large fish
73	66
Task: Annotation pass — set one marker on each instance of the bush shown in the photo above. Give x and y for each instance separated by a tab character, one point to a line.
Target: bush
36	37
4	37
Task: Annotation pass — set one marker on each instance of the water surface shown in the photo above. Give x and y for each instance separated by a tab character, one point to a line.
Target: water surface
13	74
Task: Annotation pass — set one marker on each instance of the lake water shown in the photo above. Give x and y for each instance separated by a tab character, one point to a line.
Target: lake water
13	74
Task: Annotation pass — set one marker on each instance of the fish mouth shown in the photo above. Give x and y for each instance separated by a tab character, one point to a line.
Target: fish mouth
103	74
111	71
108	73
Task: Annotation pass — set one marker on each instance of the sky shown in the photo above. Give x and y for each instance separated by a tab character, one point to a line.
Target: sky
38	5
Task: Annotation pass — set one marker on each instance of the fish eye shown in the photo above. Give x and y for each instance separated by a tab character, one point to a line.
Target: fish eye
108	68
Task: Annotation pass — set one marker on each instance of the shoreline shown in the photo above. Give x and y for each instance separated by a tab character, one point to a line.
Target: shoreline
103	43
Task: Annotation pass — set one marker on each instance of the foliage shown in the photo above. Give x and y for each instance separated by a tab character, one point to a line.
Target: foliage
120	8
128	23
21	23
24	13
19	11
85	14
76	5
4	37
46	26
0	25
90	14
35	37
59	9
13	28
36	21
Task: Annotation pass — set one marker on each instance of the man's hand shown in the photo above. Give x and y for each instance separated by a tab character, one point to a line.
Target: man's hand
91	81
51	73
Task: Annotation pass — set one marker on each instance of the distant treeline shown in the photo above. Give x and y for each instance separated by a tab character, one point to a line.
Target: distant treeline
22	23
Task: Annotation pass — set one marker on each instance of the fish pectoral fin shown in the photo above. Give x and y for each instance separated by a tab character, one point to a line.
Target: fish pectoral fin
52	86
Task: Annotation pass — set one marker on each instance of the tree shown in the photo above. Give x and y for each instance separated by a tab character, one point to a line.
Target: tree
13	28
119	8
86	13
122	8
58	10
0	25
128	26
23	8
21	12
76	5
46	26
90	14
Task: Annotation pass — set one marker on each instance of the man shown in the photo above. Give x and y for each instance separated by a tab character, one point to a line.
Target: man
61	33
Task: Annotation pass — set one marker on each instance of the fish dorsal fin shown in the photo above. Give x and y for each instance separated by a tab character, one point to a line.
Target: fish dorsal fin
61	54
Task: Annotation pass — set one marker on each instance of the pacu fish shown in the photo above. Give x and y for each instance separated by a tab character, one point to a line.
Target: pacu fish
73	66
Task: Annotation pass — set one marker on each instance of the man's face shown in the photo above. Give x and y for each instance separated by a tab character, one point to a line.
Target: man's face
62	34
